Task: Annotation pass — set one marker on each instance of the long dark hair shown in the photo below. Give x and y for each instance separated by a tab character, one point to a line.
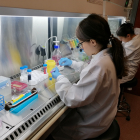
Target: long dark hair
125	29
96	27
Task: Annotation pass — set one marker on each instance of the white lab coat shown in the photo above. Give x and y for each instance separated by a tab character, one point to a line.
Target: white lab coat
132	49
137	31
94	99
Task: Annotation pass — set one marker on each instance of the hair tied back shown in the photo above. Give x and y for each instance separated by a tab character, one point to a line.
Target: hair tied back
111	37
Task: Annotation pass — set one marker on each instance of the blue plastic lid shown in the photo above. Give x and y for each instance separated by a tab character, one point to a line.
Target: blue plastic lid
50	78
29	70
21	68
56	46
25	66
44	65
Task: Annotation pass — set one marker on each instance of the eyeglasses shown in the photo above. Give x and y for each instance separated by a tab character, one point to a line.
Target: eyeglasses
80	45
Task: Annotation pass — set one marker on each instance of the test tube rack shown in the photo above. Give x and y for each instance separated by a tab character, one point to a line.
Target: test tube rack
36	77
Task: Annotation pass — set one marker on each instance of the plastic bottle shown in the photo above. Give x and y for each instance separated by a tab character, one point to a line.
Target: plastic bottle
73	43
76	50
22	71
70	44
25	69
50	65
76	44
83	56
56	56
29	74
45	68
72	55
80	54
77	41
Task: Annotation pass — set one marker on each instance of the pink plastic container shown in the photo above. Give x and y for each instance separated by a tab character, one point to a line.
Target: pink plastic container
56	59
18	86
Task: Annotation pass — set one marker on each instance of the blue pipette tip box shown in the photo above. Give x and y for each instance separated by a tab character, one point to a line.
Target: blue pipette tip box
24	104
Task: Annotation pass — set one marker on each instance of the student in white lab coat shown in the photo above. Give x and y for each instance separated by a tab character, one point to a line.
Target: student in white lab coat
94	98
131	44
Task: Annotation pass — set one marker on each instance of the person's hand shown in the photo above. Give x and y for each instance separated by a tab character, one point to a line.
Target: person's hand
55	73
65	62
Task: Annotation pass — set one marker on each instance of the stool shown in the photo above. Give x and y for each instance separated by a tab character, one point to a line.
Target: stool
113	133
123	106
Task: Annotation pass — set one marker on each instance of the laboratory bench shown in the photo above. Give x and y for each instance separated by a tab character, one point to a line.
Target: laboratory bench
40	116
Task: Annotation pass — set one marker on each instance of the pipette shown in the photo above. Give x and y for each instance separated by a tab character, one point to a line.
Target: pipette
59	67
52	71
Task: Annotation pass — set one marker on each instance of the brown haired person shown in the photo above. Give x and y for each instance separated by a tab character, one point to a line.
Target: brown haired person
94	98
131	44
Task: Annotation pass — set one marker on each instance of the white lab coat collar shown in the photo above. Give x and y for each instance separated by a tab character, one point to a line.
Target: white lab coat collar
129	43
132	45
101	53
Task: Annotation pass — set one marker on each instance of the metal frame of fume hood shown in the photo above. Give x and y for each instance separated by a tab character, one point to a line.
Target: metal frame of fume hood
6	11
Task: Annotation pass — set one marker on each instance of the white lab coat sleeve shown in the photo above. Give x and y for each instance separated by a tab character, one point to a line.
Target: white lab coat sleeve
83	92
77	65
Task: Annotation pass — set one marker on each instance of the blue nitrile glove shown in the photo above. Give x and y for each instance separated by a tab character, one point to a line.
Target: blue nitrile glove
65	62
55	73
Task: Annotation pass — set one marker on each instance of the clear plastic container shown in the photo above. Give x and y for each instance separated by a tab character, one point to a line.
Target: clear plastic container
22	71
56	56
25	69
18	86
36	77
5	88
